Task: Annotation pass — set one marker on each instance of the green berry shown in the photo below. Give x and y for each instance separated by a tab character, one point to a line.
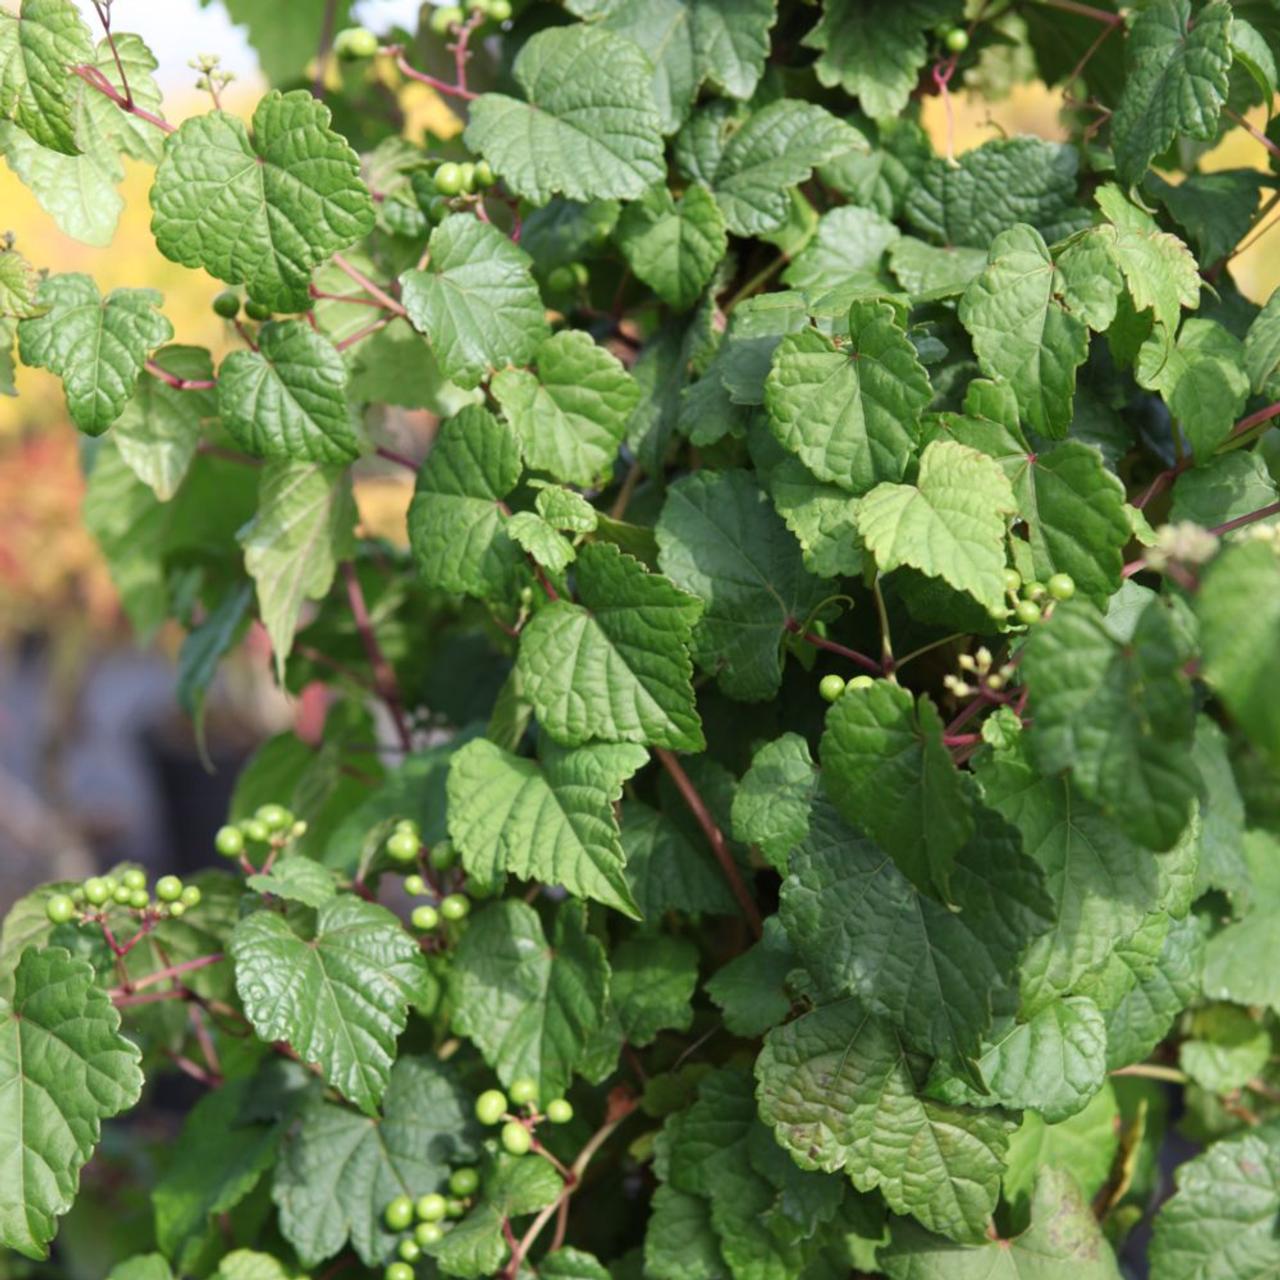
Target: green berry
559	1111
257	830
60	908
409	825
456	906
398	1271
399	1213
134	878
442	855
455	1208
523	1090
830	687
256	311
491	1106
516	1139
464	1182
468	173
1012	581
443	19
499	10
122	894
425	918
355	42
168	888
96	890
415	885
448	179
1062	586
956	40
191	896
410	1250
229	842
177	909
139	899
484	174
562	280
227	304
1034	591
429	1233
112	883
1027	612
860	682
403	846
276	816
431	1208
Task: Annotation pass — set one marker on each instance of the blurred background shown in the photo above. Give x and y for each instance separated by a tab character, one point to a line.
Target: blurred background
97	763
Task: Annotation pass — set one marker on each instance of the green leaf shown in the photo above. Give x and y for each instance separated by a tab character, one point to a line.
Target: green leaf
1233	484
143	1266
1176	82
261	211
653	982
204	647
338	991
1063	1236
303	527
588	127
849	412
284	36
862	929
771	804
970	201
666	871
674	246
96	345
531	1006
925	268
848	246
751	990
159	429
1220	1223
1228	1048
680	1242
339	1169
37	46
18	286
457	522
1116	711
1262	349
777	148
875	55
823	518
287	401
1236	965
837	1085
615	666
950	524
552	550
572	1264
1215	210
719	539
1022	333
64	1068
296	879
553	822
885	768
690	42
476	302
1239	612
572	415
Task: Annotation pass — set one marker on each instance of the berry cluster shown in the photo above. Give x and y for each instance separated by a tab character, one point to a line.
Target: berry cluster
1028	607
405	846
429	1217
272	827
91	899
494	1107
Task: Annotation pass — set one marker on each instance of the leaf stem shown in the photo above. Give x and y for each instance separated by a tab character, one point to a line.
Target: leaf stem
440	86
384	676
886	640
373	290
715	837
163	975
104	16
399	459
821	642
761	277
1252	130
1085	11
1150	1071
93	77
928	648
361	334
180	384
1240	521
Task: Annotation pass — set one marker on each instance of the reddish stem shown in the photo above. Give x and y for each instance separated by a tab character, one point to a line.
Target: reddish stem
715	837
180	384
440	86
1240	521
361	334
1252	130
820	642
384	676
399	459
1085	11
373	290
92	76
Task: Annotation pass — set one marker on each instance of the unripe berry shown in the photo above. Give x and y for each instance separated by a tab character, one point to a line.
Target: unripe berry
455	907
956	40
467	172
830	687
429	1233
415	885
559	1111
227	304
256	311
134	878
402	846
562	280
1062	586
177	909
431	1208
499	10
454	1208
516	1139
96	891
191	896
1012	580
355	42
229	842
1027	612
464	1182
860	682
491	1106
276	816
139	899
398	1271
425	918
399	1213
1033	591
523	1090
410	1250
122	894
168	888
443	855
60	908
448	179
443	19
484	174
256	830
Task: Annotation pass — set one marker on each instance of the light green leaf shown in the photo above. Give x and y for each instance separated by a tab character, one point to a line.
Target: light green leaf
476	302
862	929
823	517
551	549
674	246
564	509
64	1068
261	211
616	665
1262	349
719	538
1116	711
339	1169
531	1006
96	345
288	399
296	879
572	415
1227	1049
159	429
680	1242
292	546
18	285
771	804
838	1087
554	822
950	524
1083	1146
38	45
849	412
1237	961
457	522
886	769
925	268
848	246
1176	83
142	1266
588	127
653	982
1064	1238
751	990
338	992
1220	1224
1022	333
